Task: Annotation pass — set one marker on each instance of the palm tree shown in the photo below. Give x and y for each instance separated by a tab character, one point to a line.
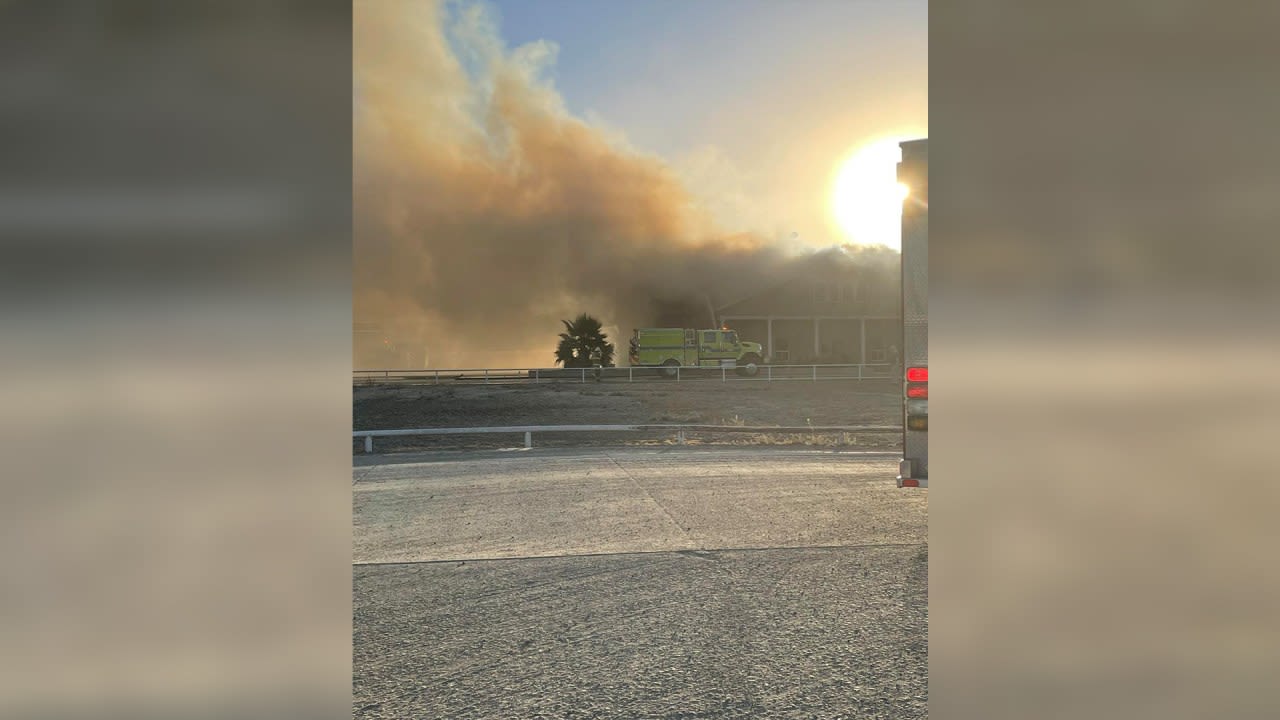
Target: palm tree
580	338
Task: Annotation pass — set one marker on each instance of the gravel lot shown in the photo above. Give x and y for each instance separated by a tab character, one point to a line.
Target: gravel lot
833	402
633	582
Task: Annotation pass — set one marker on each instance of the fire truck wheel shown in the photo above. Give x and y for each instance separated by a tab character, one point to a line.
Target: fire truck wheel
671	368
750	366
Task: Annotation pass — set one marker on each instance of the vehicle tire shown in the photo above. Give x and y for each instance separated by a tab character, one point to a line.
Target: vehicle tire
671	368
750	366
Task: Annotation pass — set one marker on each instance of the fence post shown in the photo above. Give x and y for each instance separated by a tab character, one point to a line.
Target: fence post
815	373
722	375
680	436
368	443
629	369
677	373
584	375
486	376
770	367
859	371
535	376
528	439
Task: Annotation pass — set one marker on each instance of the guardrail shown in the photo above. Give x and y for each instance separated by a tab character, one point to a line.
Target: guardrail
764	373
680	430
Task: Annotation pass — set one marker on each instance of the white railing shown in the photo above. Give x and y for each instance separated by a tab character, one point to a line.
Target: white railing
680	430
765	373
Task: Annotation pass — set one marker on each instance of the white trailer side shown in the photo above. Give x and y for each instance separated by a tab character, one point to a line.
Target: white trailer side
913	171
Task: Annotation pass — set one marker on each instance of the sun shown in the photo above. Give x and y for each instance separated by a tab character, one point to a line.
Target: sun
866	197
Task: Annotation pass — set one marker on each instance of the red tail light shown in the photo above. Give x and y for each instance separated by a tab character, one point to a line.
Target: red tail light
918	391
918	374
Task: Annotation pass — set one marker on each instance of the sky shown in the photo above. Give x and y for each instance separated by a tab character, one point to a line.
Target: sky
517	163
754	102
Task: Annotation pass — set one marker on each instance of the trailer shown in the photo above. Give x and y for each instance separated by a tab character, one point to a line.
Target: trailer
913	171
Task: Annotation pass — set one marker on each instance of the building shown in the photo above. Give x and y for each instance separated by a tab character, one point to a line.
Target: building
834	308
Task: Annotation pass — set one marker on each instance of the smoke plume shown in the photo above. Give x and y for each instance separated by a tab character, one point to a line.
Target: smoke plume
485	212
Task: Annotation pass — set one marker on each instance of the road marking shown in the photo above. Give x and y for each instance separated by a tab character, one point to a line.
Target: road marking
652	499
688	453
641	553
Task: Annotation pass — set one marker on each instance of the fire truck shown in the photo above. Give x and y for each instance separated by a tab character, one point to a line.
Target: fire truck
913	171
672	348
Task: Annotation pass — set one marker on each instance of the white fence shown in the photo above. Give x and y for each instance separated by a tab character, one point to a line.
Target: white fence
680	430
765	373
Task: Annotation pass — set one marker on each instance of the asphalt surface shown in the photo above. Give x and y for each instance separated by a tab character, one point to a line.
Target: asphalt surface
637	583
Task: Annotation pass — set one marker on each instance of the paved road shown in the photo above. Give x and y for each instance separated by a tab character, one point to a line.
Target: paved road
671	583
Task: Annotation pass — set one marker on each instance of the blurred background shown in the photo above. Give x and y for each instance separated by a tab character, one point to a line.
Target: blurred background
1103	275
175	216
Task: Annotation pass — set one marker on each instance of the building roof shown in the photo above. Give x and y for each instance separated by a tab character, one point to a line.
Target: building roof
823	262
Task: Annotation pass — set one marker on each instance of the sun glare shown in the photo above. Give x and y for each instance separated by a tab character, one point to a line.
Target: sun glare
866	197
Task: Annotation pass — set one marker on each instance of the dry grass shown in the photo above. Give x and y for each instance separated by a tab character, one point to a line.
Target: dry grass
680	418
735	405
887	441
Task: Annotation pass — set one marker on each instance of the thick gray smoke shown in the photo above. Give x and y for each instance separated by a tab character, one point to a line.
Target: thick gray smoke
485	213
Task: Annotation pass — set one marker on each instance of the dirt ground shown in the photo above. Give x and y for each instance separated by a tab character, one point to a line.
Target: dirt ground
836	402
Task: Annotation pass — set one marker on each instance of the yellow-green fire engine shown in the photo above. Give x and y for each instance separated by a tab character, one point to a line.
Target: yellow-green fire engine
672	348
